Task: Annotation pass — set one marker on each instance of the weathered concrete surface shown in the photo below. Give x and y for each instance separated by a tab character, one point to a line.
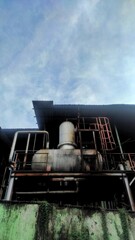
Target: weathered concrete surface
42	221
17	222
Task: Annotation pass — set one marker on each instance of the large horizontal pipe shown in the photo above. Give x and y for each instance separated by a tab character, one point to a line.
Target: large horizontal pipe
38	174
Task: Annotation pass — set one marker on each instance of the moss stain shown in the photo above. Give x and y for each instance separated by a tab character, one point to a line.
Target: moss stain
124	223
104	226
42	231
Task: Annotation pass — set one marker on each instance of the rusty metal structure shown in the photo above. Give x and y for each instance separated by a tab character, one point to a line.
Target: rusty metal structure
80	155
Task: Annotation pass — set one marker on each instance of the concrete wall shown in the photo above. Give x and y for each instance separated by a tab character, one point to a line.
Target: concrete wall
21	221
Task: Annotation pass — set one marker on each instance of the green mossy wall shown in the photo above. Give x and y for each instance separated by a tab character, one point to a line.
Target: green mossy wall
42	221
17	221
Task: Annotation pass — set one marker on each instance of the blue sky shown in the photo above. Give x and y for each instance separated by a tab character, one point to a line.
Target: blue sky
68	51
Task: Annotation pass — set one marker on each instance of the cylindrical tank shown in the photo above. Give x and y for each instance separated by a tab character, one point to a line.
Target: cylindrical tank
66	136
57	160
67	160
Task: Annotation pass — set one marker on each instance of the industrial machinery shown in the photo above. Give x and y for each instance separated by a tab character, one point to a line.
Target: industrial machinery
66	158
81	164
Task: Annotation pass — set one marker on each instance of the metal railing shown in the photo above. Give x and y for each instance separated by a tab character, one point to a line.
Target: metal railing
110	161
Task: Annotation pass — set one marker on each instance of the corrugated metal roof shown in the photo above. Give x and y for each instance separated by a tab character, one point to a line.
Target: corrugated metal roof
121	114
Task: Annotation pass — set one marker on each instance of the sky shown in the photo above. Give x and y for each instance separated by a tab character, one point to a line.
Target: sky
68	51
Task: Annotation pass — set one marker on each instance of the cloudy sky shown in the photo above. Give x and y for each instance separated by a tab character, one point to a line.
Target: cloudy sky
68	51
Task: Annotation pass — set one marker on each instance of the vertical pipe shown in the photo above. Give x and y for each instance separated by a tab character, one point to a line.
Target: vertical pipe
34	144
9	190
81	151
44	139
118	139
83	122
129	193
26	150
47	144
97	156
13	147
94	138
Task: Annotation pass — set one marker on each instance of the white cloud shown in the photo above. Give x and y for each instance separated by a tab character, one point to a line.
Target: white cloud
78	52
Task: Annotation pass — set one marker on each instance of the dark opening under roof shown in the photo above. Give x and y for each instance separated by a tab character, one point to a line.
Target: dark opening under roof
122	115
